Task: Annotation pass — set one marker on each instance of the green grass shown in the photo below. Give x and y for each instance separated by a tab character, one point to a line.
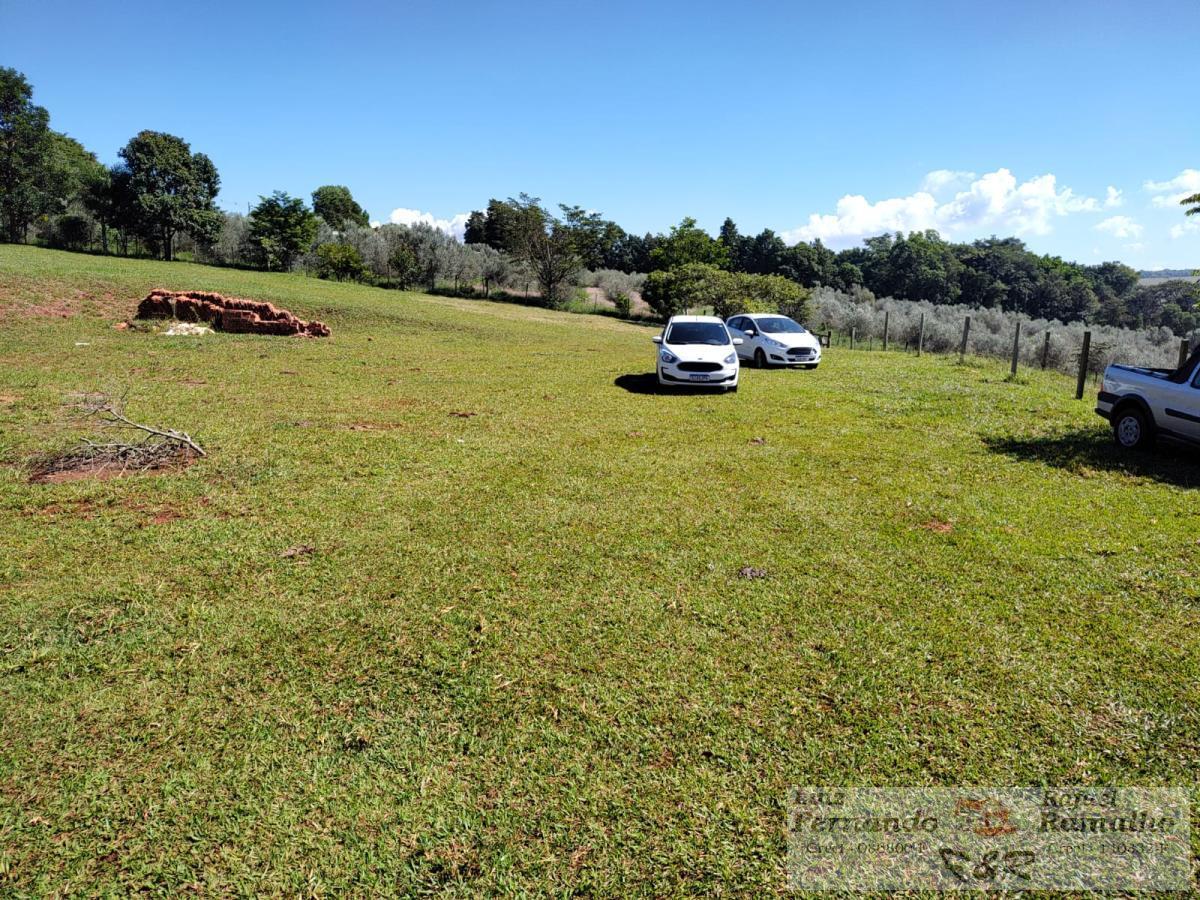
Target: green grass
520	659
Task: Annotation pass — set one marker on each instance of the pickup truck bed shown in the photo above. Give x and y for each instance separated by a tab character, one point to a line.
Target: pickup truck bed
1143	404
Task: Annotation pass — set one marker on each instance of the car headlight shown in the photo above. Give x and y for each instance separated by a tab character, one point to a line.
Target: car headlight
668	357
731	359
771	342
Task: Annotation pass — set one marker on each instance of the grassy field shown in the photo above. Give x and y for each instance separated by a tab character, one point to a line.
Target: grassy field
520	658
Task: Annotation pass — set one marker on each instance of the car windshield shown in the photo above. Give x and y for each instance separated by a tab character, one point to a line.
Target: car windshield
698	333
779	325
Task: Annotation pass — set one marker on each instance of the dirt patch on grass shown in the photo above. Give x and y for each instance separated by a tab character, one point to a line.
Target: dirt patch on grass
65	467
937	526
76	509
374	426
70	302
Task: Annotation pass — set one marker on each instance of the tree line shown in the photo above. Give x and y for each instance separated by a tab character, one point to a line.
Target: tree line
159	199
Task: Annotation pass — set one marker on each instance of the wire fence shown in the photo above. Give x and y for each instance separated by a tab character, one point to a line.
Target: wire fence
920	327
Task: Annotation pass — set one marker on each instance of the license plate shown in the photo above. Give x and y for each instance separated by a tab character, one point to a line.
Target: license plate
698	377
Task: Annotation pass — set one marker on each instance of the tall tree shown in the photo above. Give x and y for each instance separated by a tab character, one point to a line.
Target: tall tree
281	228
100	200
593	236
475	231
545	245
336	205
734	243
1192	203
686	244
173	190
26	172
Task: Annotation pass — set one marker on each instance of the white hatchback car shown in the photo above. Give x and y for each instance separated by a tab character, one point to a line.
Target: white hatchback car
697	350
771	339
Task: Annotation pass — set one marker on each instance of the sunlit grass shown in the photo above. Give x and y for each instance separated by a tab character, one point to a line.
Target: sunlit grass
520	657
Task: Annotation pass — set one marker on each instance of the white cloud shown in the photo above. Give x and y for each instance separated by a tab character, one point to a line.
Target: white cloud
455	226
1121	226
994	202
943	179
1114	198
1186	227
1170	193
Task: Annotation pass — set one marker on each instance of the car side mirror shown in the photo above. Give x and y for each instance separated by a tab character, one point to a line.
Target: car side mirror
657	339
738	341
750	332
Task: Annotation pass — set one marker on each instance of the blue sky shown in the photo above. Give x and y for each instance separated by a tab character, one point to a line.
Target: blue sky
812	119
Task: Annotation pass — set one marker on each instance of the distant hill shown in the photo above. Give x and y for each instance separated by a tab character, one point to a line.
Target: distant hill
1158	276
1168	273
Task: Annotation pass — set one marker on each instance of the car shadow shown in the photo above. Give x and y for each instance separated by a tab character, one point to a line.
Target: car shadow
647	383
1090	448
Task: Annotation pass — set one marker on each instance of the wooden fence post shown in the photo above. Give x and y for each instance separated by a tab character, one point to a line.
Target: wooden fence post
962	350
1083	364
1046	349
886	316
1016	349
1185	347
921	336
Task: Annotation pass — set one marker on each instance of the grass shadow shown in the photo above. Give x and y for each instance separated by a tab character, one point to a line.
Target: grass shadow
1090	448
647	383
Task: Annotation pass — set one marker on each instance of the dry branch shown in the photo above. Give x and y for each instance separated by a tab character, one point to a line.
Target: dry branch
158	448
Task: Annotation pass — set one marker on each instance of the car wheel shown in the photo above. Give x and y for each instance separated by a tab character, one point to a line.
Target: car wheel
760	359
1131	430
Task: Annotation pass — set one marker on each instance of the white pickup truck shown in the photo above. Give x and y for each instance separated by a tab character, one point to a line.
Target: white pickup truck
1143	404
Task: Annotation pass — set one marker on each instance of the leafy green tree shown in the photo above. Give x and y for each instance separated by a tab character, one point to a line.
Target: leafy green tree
688	244
281	228
99	200
631	253
693	286
769	293
735	245
73	232
402	262
504	222
341	262
26	171
811	265
1192	203
593	237
765	254
475	230
537	239
337	207
173	190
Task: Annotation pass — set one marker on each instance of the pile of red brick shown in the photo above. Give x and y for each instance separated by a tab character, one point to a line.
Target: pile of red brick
226	313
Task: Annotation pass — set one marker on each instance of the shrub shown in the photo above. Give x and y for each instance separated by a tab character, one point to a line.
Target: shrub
73	232
694	286
340	261
622	302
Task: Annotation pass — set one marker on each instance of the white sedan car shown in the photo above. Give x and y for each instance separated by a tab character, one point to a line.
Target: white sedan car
771	339
697	350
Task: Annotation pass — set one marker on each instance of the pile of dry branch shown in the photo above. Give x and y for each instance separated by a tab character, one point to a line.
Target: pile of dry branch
158	448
